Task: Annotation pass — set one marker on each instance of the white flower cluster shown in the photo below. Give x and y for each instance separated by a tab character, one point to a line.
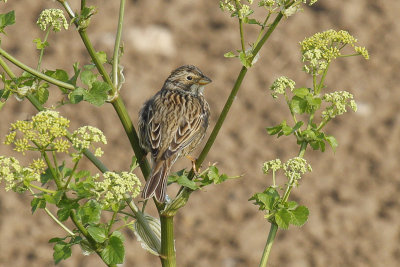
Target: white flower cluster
54	18
113	188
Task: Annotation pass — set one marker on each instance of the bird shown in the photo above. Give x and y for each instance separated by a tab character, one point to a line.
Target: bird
171	124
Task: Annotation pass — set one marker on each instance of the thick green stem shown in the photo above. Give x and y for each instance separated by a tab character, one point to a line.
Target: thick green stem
6	68
35	72
117	44
268	245
168	258
132	135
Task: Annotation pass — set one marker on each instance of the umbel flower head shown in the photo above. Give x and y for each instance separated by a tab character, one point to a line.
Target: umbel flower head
53	18
321	48
113	188
14	175
44	131
279	86
86	136
339	101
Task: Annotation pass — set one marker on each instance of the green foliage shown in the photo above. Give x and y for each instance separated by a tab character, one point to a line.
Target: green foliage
6	19
278	210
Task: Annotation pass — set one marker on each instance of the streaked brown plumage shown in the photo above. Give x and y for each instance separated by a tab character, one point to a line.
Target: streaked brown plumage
172	123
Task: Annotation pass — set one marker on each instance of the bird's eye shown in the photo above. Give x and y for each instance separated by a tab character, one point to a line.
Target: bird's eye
189	78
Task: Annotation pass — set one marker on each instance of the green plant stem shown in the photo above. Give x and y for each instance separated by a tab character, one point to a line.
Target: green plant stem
111	222
117	44
168	258
42	50
240	27
83	4
268	245
72	173
58	222
6	68
321	83
117	102
35	72
53	172
132	135
42	189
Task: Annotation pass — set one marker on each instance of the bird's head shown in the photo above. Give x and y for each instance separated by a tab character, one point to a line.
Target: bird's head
187	78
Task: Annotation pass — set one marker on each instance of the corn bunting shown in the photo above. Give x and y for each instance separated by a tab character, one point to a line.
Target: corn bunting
172	123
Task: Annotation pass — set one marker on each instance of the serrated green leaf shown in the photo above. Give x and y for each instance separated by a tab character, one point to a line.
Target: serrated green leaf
114	252
267	199
57	239
283	218
63	214
37	203
299	216
301	92
102	56
42	94
297	126
77	71
298	105
244	59
88	77
77	95
97	95
229	54
184	181
62	251
274	130
90	212
99	234
253	21
81	174
39	44
332	142
6	19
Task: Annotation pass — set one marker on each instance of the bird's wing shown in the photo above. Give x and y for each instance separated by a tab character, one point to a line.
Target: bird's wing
186	131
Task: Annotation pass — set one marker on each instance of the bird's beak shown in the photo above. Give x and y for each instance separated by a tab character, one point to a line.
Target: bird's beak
204	80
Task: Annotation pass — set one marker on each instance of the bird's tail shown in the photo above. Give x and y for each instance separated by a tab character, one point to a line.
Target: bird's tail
156	185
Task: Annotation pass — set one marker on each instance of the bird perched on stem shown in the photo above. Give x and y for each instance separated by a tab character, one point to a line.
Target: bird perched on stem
172	123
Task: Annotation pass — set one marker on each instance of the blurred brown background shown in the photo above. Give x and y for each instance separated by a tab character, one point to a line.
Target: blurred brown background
352	194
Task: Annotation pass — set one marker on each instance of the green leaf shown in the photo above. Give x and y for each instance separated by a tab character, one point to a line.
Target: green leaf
39	44
283	218
90	212
184	181
299	216
37	203
57	239
77	71
266	200
88	77
274	130
297	126
58	74
114	252
81	174
332	142
63	214
62	251
42	94
229	54
301	92
253	21
99	234
97	95
6	20
245	59
298	105
102	56
77	95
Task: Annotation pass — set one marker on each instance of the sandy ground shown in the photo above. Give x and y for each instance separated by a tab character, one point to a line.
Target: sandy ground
352	194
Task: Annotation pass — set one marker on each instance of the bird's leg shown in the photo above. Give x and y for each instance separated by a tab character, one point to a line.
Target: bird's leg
193	160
